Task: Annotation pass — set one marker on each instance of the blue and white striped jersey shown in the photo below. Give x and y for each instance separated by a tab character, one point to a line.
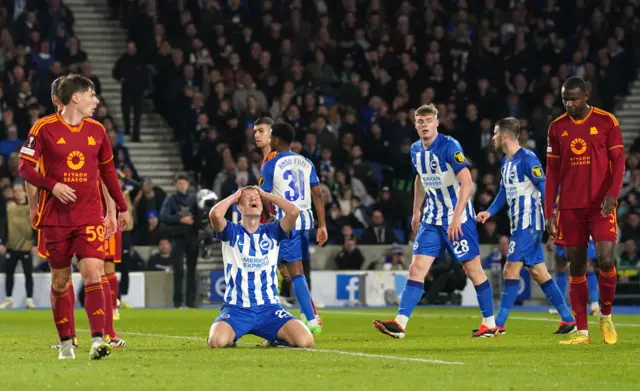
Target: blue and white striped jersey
438	166
522	187
291	176
251	263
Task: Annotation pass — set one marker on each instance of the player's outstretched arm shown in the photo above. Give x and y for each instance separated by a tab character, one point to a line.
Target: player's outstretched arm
291	212
219	210
496	206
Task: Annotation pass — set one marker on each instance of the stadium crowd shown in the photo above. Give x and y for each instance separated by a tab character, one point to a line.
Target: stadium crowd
347	74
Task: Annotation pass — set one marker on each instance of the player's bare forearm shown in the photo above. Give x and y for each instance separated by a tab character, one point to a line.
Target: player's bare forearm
111	204
466	187
291	212
110	181
219	210
318	203
551	184
27	171
618	162
418	195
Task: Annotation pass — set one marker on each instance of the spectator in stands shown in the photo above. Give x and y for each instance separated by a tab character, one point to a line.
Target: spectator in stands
162	260
147	204
11	143
131	71
379	232
178	214
350	257
395	260
629	259
631	228
241	177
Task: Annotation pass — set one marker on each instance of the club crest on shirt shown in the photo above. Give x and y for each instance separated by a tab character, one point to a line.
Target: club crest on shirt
266	244
459	157
536	172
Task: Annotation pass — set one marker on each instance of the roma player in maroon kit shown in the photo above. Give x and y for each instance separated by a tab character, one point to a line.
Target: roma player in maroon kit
585	157
72	152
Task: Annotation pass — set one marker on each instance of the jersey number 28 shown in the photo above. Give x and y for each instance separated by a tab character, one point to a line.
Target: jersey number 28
296	185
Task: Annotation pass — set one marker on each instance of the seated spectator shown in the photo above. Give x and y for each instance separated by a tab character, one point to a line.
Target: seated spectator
346	233
631	228
395	260
379	232
163	260
629	259
241	177
350	257
11	143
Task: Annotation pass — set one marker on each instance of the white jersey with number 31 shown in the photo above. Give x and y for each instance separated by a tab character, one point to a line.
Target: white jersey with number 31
291	176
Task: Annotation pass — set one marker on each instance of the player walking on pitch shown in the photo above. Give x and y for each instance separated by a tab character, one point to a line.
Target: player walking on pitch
585	152
522	188
444	219
250	255
294	177
72	151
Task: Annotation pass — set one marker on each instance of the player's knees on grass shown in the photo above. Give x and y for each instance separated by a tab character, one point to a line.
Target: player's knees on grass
296	334
420	265
60	279
512	270
221	335
474	271
91	270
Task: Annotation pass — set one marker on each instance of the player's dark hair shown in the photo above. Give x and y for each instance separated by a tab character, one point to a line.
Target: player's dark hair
575	83
73	84
284	131
509	125
263	121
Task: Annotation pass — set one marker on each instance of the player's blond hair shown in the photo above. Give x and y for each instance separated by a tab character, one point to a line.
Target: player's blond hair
429	109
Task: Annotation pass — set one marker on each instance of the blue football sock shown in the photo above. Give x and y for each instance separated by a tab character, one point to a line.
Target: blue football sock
592	285
554	295
301	289
561	281
484	293
411	295
509	295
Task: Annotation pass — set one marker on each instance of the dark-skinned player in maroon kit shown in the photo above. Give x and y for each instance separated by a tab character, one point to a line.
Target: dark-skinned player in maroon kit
585	157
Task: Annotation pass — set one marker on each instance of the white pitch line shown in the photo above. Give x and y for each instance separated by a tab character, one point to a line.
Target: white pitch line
375	313
330	351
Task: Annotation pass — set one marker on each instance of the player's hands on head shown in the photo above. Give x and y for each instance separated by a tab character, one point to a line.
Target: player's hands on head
551	227
123	221
483	216
321	235
64	193
235	197
454	232
608	205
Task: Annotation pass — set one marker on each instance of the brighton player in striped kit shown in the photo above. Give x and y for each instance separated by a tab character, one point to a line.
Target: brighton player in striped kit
250	255
446	221
294	177
522	189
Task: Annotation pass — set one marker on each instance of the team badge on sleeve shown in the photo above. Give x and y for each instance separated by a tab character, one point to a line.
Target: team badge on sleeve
261	181
459	157
536	172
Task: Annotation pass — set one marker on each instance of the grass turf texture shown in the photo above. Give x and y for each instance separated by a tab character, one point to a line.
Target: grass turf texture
167	351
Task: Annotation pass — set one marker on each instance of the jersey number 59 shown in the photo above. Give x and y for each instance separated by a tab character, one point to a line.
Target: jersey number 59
296	185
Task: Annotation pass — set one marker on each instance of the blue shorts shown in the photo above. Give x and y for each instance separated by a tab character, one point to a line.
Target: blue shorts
591	251
264	321
296	248
526	246
432	241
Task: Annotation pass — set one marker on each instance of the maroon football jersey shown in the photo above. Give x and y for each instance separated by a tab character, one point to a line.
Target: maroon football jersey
70	155
579	153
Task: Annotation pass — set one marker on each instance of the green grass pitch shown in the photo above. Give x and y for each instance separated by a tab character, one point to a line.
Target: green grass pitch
167	351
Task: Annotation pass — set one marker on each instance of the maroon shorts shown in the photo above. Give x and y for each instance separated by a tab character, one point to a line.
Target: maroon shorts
576	225
113	248
62	243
